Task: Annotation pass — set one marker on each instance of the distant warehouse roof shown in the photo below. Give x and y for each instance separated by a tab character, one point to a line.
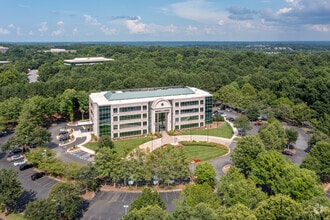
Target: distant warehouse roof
87	61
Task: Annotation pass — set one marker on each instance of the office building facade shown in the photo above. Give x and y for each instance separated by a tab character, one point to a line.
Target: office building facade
127	113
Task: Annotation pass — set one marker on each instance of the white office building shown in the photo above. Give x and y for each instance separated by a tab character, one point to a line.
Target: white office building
138	112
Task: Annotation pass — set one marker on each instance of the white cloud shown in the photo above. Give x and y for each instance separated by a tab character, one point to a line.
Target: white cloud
283	11
31	33
191	29
196	10
43	27
91	21
74	31
11	26
320	28
107	31
60	23
58	32
4	31
136	26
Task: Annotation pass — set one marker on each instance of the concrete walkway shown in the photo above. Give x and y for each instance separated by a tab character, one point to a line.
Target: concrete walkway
174	140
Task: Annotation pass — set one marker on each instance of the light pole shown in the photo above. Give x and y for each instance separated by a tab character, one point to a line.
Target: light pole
125	207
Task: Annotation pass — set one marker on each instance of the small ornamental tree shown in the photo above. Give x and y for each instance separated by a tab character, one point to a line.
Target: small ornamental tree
205	173
291	135
148	198
41	209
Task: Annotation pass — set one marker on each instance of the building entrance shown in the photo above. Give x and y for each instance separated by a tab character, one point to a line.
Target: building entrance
160	121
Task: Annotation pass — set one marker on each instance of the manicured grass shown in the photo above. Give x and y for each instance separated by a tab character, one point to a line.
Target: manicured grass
91	145
15	216
224	131
129	144
122	145
203	151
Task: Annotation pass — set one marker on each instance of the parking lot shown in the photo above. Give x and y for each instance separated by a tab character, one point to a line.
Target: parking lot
32	189
111	205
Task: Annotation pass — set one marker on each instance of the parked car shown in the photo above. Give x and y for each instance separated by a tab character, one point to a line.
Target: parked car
290	146
3	133
289	153
33	145
230	119
19	162
25	166
63	131
15	151
36	176
17	157
64	137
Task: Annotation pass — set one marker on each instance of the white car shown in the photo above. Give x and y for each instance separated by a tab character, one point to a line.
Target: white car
19	162
17	157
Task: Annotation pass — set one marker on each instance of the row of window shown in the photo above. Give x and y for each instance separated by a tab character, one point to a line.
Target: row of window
129	109
130	125
129	133
189	103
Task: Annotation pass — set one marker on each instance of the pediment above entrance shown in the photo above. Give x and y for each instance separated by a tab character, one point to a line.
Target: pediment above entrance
160	104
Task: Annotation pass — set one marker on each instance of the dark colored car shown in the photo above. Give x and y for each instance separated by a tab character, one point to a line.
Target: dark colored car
36	176
25	166
33	145
230	119
15	151
285	152
64	137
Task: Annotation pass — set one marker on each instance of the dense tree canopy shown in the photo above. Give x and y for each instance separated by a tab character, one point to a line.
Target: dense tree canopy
11	188
235	189
246	152
318	160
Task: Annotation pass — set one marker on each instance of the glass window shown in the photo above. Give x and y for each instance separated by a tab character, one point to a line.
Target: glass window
130	133
115	118
129	117
130	125
176	104
188	103
191	110
144	107
130	109
115	110
115	127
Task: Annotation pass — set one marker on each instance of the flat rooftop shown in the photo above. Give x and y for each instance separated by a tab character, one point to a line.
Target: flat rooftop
145	95
87	60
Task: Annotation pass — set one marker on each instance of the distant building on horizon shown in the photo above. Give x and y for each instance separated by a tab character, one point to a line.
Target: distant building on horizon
58	50
137	112
3	49
87	61
4	62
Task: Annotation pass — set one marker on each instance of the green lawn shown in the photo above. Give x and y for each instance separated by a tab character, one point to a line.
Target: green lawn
122	145
15	216
224	131
203	150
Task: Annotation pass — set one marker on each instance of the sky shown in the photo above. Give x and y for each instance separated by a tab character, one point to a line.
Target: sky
164	20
